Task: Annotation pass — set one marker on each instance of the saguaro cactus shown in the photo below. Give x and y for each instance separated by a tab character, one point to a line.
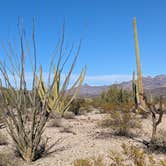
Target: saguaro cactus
139	73
135	92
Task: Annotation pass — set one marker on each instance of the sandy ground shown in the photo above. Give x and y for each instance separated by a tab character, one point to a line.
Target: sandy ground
81	137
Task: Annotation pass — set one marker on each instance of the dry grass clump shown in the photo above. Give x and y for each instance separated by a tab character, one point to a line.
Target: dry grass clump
1	119
159	143
82	162
57	122
122	122
134	156
90	162
129	156
3	139
68	115
137	156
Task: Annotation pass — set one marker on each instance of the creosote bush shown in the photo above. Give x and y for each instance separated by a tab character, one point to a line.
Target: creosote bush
76	105
122	122
114	98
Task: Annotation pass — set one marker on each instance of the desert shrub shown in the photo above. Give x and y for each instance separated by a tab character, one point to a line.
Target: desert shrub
157	112
77	104
116	95
69	115
117	158
1	119
122	122
161	138
137	156
133	156
130	155
113	99
8	159
3	139
57	122
162	163
159	143
93	161
82	162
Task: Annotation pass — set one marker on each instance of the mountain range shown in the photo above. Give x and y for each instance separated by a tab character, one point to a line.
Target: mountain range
154	85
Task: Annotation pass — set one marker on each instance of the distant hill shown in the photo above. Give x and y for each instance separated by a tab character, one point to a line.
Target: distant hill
155	85
92	91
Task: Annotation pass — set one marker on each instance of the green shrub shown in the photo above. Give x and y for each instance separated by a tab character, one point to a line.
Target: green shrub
122	122
116	95
77	104
113	99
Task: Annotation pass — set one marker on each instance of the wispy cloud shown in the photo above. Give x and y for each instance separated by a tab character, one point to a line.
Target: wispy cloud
106	79
94	80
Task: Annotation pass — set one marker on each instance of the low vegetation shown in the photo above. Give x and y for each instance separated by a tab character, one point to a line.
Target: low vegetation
3	139
122	122
130	155
94	161
114	99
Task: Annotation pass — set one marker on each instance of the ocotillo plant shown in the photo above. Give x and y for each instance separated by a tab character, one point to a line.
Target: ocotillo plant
139	73
19	103
66	99
25	116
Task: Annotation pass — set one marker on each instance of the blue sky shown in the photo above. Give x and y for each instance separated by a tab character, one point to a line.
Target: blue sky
105	27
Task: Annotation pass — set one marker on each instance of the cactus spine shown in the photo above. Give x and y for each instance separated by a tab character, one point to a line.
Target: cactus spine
139	73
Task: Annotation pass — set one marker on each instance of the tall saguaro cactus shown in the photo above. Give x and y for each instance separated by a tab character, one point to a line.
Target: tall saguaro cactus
139	73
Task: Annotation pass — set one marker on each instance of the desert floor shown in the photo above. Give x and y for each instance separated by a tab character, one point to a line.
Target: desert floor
82	137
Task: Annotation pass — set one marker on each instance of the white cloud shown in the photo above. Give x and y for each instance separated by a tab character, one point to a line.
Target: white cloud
91	80
106	79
